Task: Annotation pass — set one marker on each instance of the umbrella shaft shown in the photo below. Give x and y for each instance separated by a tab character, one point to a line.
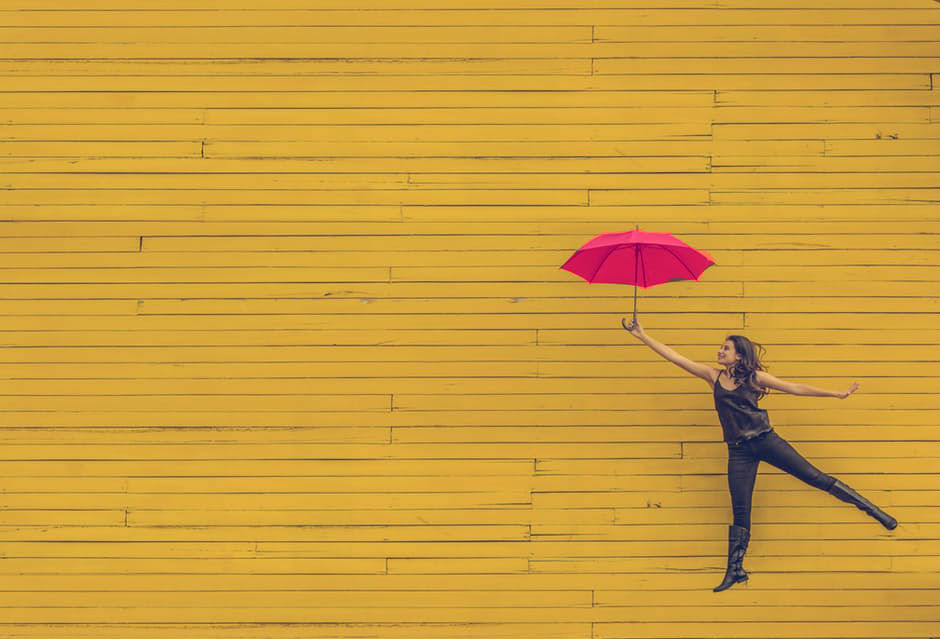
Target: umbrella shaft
634	302
636	275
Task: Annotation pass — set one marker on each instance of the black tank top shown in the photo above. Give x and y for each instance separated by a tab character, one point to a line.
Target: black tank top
738	412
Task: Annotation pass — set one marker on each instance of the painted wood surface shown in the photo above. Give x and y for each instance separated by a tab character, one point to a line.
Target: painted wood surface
287	351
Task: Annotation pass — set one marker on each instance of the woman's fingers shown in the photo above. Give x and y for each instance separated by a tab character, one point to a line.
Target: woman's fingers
634	326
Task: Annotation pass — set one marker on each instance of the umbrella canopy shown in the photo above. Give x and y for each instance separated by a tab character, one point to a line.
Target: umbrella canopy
637	257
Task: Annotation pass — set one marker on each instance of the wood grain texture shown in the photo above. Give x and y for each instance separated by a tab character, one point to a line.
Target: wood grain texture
287	352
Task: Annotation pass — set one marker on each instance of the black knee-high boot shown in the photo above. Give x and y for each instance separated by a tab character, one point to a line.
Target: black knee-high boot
846	494
738	538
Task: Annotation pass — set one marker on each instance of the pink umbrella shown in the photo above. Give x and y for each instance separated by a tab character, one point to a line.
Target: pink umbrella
639	258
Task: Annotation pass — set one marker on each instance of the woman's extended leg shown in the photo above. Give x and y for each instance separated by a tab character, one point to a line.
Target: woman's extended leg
777	451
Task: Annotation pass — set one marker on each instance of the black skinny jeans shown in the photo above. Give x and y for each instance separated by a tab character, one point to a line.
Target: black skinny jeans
744	458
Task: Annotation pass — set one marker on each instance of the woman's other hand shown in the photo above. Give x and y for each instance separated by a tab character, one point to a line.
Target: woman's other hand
634	327
852	389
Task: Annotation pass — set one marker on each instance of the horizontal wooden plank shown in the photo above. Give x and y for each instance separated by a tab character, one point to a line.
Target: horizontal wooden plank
637	433
465	615
534	177
298	13
759	156
771	163
902	487
634	146
789	273
256	70
69	231
759	313
175	345
827	98
267	156
284	631
816	39
330	599
393	191
605	349
561	531
796	427
767	32
430	467
795	196
389	66
777	65
683	115
769	532
721	241
173	341
788	629
300	42
808	498
500	599
699	422
669	584
278	110
130	148
824	131
85	28
714	517
153	323
416	566
821	372
487	496
156	94
822	4
457	630
501	450
612	344
759	516
884	150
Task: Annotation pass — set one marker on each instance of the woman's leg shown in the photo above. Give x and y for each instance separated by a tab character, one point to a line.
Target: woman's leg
777	451
742	470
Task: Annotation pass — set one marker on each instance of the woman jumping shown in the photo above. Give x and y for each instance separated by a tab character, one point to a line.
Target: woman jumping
750	437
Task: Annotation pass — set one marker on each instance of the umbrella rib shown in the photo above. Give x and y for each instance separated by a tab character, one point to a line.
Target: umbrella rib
600	263
678	259
643	266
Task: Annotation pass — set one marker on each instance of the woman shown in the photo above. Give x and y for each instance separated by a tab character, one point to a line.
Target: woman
750	437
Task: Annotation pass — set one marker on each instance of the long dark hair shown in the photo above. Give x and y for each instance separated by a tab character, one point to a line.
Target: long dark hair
745	369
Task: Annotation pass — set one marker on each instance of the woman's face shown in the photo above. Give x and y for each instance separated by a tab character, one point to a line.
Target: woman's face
726	354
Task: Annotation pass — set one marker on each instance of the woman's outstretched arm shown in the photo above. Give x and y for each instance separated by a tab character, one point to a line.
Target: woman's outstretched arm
766	379
699	370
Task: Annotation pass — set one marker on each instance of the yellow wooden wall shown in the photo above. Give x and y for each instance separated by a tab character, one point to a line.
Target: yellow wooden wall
287	352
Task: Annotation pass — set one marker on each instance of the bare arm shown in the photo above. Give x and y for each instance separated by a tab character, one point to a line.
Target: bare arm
766	379
695	368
